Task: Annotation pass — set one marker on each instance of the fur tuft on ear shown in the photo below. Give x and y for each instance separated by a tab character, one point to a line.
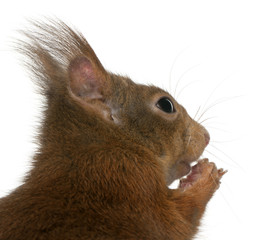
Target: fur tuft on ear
84	80
49	48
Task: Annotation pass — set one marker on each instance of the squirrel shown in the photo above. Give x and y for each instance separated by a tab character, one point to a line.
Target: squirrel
108	149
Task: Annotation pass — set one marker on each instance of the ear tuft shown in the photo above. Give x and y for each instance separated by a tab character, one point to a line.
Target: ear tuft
84	80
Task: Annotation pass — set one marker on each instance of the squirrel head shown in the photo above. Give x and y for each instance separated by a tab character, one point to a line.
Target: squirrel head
88	105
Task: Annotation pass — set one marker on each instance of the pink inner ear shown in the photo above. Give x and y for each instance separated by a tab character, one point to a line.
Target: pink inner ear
83	79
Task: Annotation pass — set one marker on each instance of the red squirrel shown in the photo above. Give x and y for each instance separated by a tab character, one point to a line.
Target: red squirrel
108	150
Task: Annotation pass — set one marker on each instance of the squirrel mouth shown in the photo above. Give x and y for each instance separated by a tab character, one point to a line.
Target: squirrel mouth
184	169
181	168
185	165
178	171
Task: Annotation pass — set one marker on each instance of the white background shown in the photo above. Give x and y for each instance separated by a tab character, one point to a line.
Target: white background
208	54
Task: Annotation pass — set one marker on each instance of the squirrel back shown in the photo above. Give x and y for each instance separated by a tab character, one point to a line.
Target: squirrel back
108	149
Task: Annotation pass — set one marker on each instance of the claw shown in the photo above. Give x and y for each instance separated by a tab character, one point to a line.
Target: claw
205	160
221	172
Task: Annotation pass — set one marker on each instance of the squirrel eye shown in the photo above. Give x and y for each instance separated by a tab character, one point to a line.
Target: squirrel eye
166	105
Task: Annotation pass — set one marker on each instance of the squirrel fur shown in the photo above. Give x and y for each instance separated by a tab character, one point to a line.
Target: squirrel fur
108	149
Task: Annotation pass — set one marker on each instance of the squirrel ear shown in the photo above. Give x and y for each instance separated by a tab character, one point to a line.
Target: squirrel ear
85	80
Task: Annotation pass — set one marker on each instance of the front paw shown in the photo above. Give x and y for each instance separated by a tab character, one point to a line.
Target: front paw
203	180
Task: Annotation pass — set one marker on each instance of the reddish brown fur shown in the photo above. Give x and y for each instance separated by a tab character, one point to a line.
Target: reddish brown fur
106	154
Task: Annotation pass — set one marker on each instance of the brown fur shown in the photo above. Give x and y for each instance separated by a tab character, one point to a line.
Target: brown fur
106	153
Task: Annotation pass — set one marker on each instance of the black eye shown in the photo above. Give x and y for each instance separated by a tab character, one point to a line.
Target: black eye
166	105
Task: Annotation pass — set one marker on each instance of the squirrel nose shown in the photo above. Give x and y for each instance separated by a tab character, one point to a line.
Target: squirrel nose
207	137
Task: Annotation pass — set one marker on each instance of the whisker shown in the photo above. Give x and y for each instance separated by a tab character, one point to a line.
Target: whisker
178	95
220	129
189	139
222	160
213	91
173	64
182	75
214	180
206	119
225	141
230	207
186	134
216	122
219	150
219	101
197	113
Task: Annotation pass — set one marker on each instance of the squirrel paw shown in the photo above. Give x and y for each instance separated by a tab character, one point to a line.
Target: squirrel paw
203	176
